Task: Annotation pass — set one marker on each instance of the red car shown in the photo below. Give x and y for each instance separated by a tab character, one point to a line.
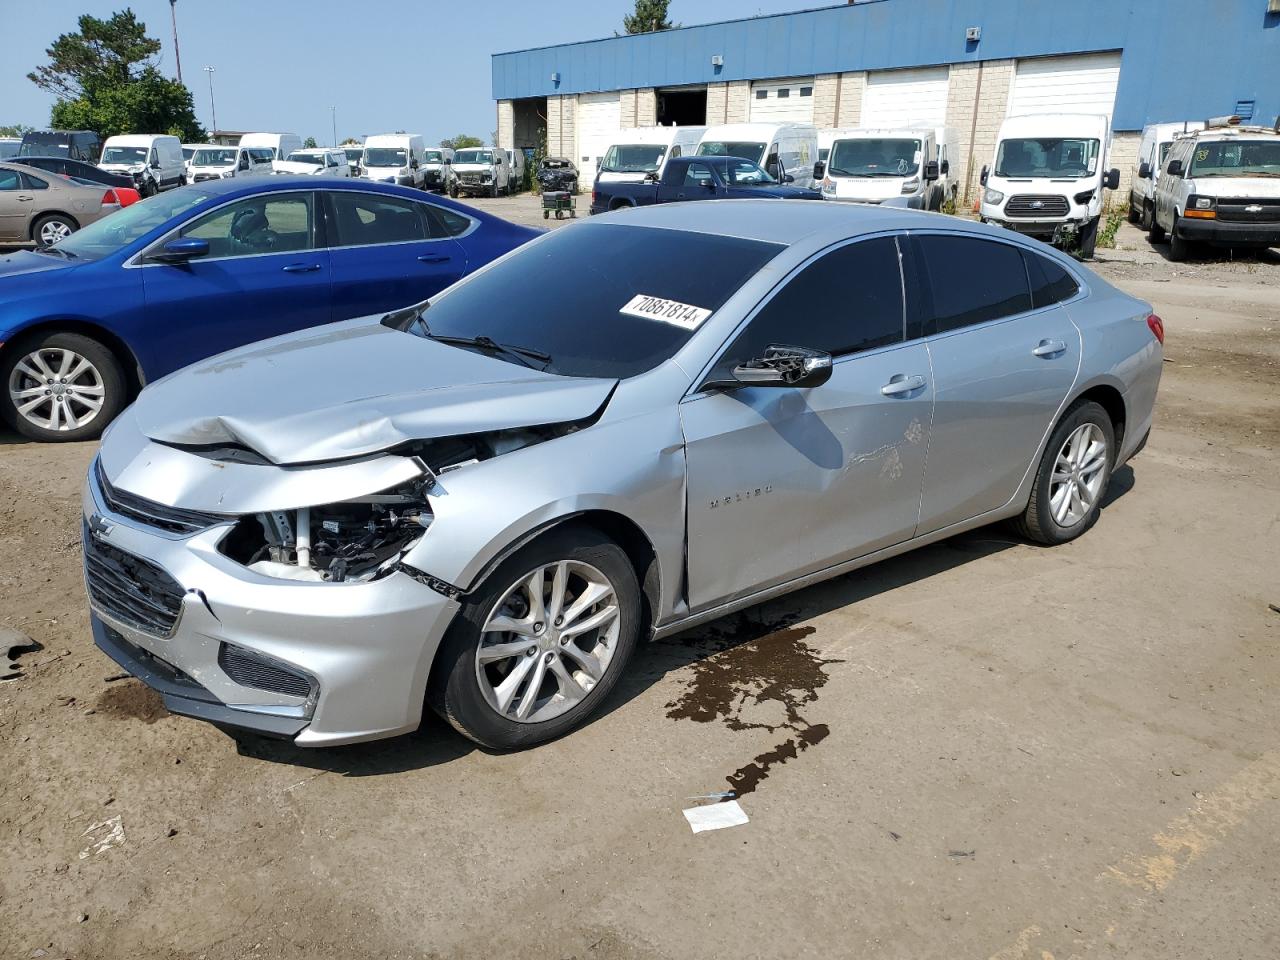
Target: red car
125	195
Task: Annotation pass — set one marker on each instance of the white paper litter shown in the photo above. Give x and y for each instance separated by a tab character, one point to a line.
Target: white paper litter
716	816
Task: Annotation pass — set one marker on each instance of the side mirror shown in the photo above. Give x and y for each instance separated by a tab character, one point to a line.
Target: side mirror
413	164
945	167
784	366
708	184
931	170
1144	171
181	250
651	176
1112	180
788	178
982	177
819	170
1174	169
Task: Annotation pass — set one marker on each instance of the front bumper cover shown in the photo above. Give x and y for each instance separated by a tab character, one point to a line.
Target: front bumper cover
1226	233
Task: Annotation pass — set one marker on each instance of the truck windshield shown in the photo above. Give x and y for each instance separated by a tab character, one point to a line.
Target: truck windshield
384	157
473	156
354	153
744	173
214	158
595	298
1237	158
45	145
104	237
433	156
315	159
124	155
732	148
633	158
879	157
1061	157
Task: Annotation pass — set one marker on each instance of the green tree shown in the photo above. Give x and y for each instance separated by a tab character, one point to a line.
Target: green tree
650	16
461	142
105	79
14	129
309	143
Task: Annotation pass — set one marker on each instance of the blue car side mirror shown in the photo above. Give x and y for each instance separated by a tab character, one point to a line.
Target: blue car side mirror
181	250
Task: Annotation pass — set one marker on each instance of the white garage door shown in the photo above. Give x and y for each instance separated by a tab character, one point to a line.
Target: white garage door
1085	83
782	101
894	98
599	118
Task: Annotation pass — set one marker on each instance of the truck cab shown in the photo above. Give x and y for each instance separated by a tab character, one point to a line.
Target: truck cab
1047	176
782	149
1220	186
898	167
697	178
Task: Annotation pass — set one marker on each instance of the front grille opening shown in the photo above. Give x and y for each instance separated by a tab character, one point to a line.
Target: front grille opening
129	589
1025	205
261	672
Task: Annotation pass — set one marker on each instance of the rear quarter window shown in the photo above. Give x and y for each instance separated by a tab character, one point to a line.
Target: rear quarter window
972	280
1050	283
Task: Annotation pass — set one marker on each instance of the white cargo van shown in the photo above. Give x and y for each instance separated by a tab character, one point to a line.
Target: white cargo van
154	161
826	137
436	164
1047	176
783	149
212	161
640	152
516	159
280	144
897	167
394	158
316	162
1153	148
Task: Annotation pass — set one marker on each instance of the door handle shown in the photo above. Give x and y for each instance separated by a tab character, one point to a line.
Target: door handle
301	267
900	385
434	258
25	199
1049	348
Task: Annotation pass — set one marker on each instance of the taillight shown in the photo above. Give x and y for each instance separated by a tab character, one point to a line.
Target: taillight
1156	325
109	198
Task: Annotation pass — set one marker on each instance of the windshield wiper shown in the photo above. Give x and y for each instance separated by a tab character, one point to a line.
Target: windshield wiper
406	317
521	355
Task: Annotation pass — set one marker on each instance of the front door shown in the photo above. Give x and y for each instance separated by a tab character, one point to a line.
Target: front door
264	276
16	203
782	481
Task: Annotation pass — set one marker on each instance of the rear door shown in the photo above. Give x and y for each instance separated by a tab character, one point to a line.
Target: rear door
387	252
265	275
16	203
698	183
1003	364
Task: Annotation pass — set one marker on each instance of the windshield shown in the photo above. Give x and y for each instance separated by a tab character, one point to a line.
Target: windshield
744	173
576	283
124	155
315	159
104	237
1237	158
384	157
473	156
44	145
188	152
433	156
1064	158
731	148
354	153
214	158
876	157
633	158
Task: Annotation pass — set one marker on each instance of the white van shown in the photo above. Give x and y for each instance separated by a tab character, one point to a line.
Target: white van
316	162
436	163
1047	176
826	137
641	152
154	161
212	161
394	158
897	166
783	149
1153	148
280	144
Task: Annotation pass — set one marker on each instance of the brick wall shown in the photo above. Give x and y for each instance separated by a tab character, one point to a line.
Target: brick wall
717	104
646	107
824	99
849	99
506	125
977	99
738	101
627	108
1124	155
561	133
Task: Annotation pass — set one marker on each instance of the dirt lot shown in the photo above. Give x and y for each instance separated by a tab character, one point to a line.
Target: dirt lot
983	749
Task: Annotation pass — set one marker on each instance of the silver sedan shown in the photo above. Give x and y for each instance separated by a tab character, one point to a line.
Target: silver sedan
635	424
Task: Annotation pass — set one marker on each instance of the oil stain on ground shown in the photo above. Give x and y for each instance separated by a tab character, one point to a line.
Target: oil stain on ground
132	700
743	682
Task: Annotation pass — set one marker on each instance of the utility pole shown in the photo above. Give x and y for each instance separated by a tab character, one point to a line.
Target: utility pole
177	57
333	112
212	108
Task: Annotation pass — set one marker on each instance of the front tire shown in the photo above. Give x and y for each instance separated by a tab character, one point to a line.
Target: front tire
539	645
1179	248
60	387
1072	478
1089	239
1155	233
48	230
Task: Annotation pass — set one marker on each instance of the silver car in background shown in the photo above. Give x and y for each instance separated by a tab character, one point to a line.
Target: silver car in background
694	408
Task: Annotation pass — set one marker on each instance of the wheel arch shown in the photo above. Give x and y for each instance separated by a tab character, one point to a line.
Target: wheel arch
1109	397
119	348
617	203
44	215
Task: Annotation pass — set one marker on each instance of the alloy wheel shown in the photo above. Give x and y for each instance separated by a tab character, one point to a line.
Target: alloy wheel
56	389
548	641
1078	471
51	231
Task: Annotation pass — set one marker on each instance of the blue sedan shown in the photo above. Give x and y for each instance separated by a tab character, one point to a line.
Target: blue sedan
205	268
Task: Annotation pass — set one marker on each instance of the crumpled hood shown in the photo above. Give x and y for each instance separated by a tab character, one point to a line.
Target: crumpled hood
352	389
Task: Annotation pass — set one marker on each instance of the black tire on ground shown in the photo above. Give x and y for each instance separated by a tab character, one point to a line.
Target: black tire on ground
1155	232
453	190
37	228
1037	522
1135	214
454	689
1089	238
1179	248
493	189
113	384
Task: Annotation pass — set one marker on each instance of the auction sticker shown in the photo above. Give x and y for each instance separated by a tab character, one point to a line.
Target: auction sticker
668	311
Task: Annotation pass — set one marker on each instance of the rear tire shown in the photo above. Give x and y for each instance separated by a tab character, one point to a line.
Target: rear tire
1071	479
51	228
467	685
94	391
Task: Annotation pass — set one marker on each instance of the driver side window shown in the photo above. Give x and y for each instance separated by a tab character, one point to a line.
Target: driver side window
844	302
277	223
697	174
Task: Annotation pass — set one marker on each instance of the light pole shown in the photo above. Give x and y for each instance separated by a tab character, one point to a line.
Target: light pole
177	57
333	113
212	108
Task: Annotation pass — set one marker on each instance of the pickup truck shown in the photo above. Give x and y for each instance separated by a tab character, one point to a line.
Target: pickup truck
698	178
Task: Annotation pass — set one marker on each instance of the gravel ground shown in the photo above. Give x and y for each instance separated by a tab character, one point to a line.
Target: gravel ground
1023	752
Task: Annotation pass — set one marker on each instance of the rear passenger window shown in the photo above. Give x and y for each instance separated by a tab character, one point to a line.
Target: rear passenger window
450	224
363	219
973	280
847	301
1050	283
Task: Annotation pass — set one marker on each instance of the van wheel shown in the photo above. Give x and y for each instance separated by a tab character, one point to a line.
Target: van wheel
1089	239
1179	248
1155	232
1134	213
538	646
1073	477
60	387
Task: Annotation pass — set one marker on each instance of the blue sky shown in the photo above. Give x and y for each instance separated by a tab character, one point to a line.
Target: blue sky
281	64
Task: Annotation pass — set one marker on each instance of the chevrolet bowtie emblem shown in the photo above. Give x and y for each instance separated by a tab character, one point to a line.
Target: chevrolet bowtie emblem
100	526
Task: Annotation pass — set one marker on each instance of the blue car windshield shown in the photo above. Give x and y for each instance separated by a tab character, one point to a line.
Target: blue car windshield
600	300
104	237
